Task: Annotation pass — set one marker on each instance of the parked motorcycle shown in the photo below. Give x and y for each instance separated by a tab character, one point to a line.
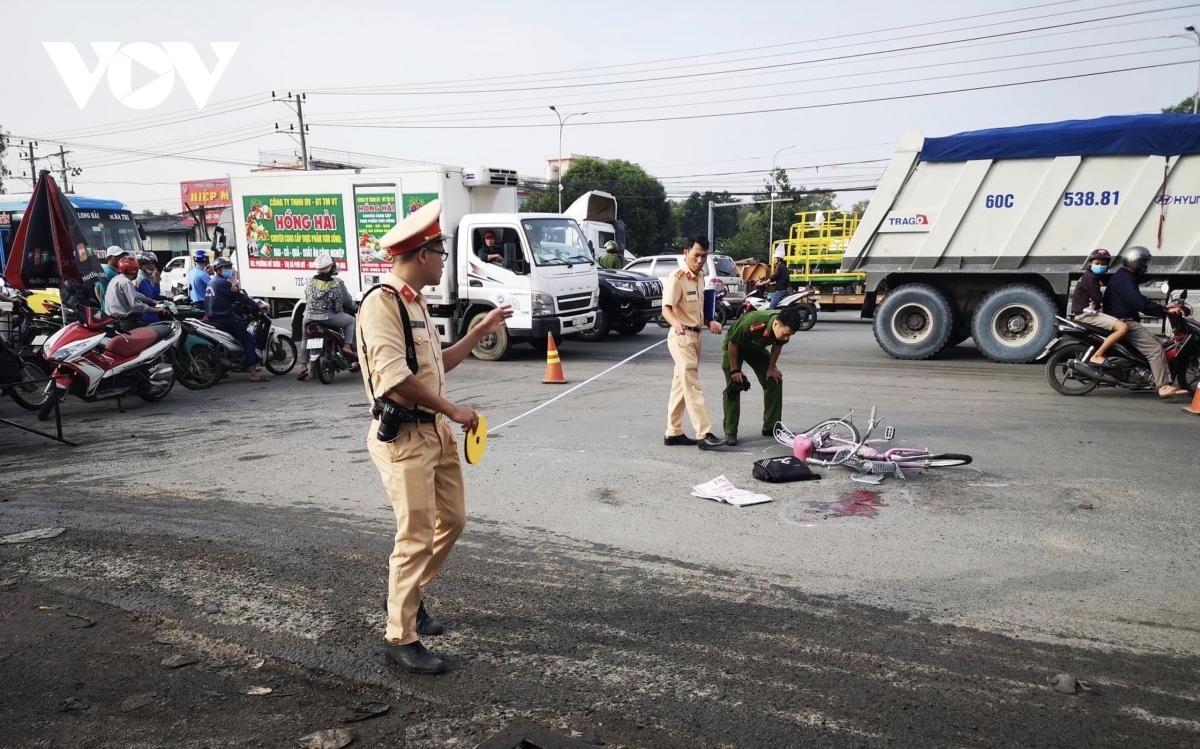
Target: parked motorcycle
1070	371
95	361
326	354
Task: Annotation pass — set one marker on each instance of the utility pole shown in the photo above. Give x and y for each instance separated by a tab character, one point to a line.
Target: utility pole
62	162
713	204
562	120
297	100
33	175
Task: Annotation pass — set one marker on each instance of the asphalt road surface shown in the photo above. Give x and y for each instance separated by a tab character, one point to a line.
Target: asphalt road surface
591	592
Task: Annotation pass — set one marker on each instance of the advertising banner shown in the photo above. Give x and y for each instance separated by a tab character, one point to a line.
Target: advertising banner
213	194
375	213
287	232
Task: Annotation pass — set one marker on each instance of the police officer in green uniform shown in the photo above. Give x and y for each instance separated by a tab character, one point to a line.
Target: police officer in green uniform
746	344
612	259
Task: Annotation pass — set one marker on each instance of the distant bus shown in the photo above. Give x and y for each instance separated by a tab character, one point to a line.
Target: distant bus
105	223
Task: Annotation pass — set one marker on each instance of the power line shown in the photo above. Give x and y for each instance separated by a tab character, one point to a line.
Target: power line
677	118
856	35
780	96
856	55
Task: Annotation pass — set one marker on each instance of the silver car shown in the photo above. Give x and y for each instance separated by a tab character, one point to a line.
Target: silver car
720	272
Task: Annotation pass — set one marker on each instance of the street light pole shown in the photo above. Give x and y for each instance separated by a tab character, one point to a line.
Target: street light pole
562	120
771	230
1191	29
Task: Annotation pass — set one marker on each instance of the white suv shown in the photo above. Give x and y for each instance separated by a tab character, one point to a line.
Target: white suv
720	272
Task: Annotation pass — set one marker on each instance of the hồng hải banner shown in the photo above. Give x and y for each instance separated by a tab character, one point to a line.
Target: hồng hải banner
375	214
287	232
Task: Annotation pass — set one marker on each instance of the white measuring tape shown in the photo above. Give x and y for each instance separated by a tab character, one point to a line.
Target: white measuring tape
565	393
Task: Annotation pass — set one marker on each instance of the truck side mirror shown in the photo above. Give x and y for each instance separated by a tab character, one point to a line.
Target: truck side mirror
513	259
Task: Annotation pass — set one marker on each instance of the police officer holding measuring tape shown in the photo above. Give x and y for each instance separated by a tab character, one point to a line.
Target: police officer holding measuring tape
404	370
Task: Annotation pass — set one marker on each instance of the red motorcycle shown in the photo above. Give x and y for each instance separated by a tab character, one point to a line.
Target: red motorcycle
95	361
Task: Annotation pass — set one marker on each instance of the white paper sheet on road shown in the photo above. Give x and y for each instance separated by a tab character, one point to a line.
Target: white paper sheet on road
722	489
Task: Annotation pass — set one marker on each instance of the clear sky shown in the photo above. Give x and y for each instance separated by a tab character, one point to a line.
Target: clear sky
470	83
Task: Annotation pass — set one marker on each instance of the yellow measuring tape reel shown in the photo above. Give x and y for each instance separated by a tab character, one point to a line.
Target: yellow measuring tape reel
475	442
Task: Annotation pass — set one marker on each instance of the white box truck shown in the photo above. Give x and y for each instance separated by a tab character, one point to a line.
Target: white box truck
281	221
981	234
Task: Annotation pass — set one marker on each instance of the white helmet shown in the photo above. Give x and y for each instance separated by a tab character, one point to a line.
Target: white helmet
779	252
324	262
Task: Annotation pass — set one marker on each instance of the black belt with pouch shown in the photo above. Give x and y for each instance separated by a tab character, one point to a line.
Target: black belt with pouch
391	414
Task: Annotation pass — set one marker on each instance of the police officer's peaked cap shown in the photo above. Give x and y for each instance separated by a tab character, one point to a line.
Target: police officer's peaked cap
415	231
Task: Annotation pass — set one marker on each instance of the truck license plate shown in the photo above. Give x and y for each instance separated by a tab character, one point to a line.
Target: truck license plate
315	344
655	302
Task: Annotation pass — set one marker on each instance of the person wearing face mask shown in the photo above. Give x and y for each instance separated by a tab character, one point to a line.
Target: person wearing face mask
1087	301
327	300
220	298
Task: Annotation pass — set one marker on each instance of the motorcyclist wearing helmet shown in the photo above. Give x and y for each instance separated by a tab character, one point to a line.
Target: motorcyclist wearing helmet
221	297
124	302
1087	301
197	278
781	278
612	256
327	299
1125	301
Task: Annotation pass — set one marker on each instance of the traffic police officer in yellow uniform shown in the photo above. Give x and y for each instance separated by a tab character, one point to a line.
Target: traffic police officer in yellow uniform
410	441
683	308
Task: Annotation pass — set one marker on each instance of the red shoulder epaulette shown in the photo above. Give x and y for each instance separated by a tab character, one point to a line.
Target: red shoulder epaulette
757	326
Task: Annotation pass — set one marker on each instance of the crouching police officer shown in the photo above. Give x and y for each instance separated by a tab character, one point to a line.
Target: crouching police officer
746	343
410	442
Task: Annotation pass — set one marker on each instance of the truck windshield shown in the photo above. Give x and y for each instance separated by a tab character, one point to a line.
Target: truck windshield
556	241
105	228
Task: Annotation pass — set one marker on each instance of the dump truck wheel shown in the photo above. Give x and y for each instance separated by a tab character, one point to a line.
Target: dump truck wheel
1014	323
913	322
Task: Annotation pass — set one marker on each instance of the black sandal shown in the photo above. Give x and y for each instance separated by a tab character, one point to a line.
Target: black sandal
302	376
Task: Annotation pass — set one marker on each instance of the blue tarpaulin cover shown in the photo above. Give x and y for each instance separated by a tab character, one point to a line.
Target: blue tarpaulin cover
1142	134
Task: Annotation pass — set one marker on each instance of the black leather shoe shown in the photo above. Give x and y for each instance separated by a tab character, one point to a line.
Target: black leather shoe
679	439
731	439
414	657
426	624
710	442
770	431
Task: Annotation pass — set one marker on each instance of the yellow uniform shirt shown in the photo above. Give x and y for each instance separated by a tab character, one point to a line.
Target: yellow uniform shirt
684	294
381	342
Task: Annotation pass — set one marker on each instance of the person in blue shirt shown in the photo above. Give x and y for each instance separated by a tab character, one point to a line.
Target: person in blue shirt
1125	301
198	278
148	283
220	300
113	256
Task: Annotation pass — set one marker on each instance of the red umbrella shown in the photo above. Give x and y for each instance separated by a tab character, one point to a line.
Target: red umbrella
49	242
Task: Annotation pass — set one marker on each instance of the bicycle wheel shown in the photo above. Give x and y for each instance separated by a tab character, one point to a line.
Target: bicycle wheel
924	459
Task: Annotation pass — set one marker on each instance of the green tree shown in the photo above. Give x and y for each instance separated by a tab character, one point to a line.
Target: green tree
860	207
1184	107
754	221
641	200
693	215
3	167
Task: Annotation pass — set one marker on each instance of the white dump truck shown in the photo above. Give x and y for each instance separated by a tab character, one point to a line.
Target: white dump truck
281	221
981	234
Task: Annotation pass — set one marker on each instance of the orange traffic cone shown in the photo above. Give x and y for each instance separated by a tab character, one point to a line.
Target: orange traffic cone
554	373
1195	407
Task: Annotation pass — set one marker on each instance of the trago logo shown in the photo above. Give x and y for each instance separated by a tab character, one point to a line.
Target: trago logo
118	60
919	219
